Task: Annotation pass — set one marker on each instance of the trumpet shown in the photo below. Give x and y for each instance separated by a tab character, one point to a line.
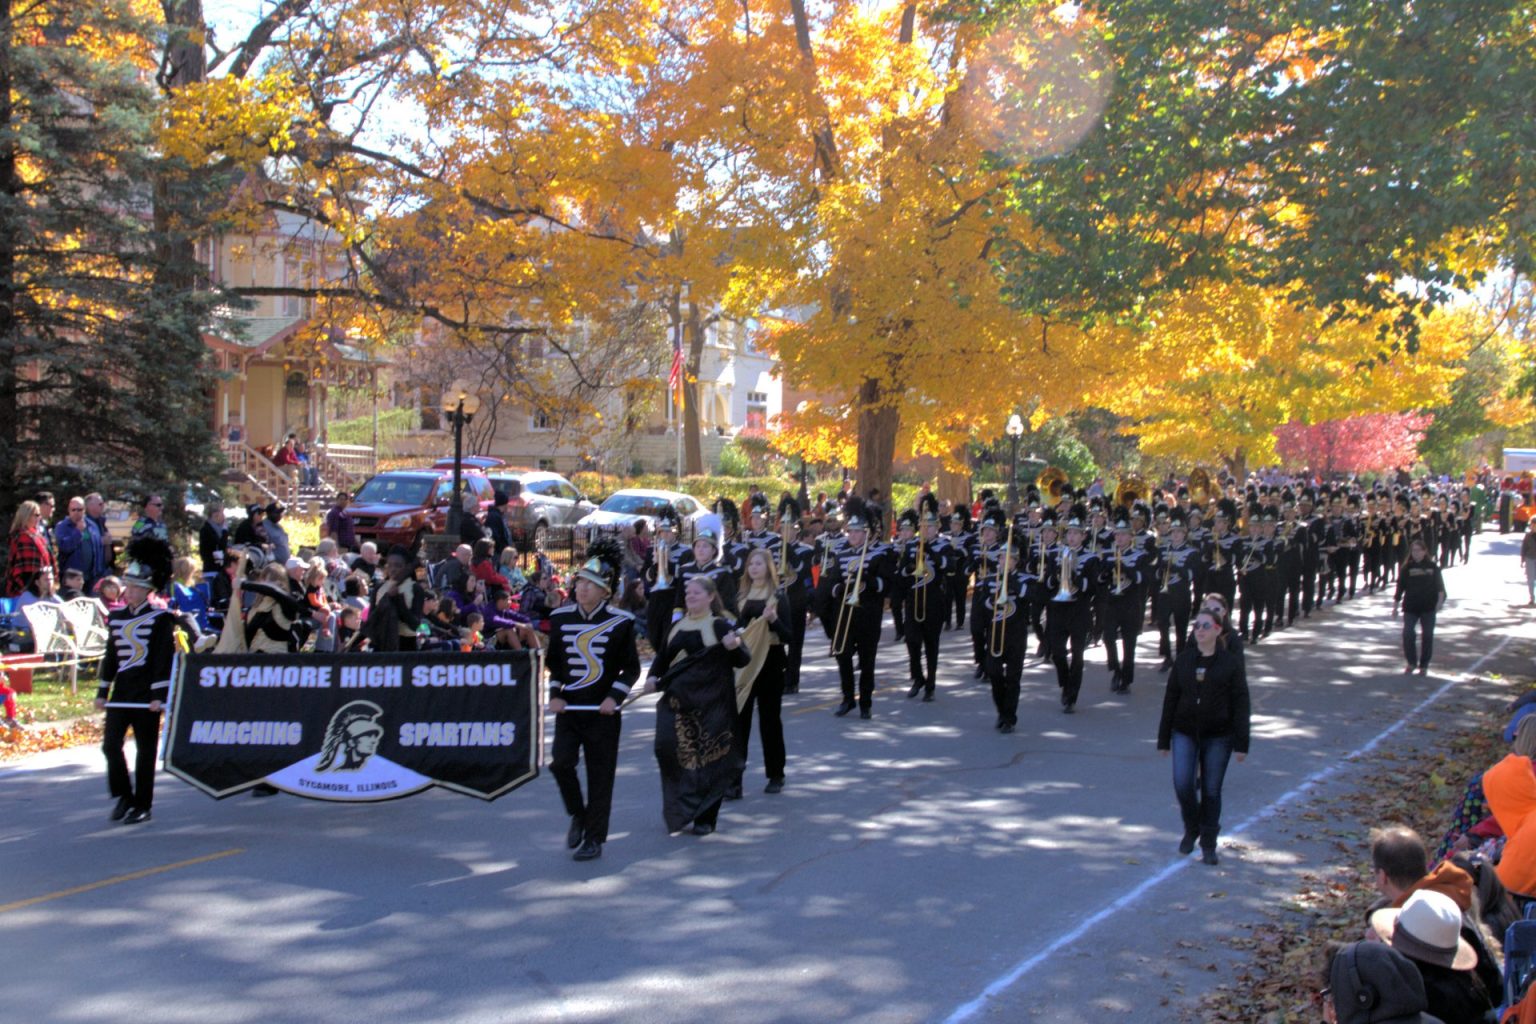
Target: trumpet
1167	570
998	638
919	573
850	602
1217	563
786	578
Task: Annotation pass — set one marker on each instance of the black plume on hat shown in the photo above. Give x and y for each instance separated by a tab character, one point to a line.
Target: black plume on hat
1077	517
994	517
604	557
1227	508
962	513
726	509
149	562
759	503
928	507
789	508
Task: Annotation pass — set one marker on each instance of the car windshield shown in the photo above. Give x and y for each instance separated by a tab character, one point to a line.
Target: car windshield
635	504
395	490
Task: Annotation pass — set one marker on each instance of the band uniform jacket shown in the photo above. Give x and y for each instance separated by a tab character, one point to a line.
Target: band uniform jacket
141	646
592	657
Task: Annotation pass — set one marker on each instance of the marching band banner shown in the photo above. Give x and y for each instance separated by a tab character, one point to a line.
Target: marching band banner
356	727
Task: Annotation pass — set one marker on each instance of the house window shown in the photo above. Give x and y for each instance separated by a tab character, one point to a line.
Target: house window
291	279
757	409
546	465
535	346
540	420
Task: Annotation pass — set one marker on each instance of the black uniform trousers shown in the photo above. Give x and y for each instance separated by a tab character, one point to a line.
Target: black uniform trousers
659	605
794	652
1122	618
140	790
979	625
1066	627
1005	670
1173	610
863	641
1224	583
922	638
768	696
956	585
596	736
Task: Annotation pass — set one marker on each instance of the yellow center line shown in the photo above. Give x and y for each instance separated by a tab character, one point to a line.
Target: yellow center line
114	880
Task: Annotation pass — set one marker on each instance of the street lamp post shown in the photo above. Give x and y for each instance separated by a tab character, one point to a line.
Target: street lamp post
460	403
1014	430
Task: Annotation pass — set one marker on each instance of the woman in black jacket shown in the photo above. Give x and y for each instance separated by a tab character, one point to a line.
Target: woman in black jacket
762	599
1420	594
1205	721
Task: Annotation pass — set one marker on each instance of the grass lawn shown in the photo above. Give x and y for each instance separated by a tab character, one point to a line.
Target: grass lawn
50	699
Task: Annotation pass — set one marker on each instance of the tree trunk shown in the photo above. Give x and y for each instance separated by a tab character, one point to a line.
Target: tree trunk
952	486
1237	466
693	449
10	188
879	422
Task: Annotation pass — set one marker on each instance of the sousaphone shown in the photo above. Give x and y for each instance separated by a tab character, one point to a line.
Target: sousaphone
1131	490
1052	483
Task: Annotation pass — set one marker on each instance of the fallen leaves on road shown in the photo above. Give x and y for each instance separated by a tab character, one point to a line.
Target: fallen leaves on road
1281	957
17	743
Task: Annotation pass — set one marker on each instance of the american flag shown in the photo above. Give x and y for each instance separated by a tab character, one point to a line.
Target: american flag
675	377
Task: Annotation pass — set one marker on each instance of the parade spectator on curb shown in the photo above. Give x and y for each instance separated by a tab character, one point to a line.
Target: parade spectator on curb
213	538
109	589
277	536
369	564
252	532
82	543
73	585
496	526
190	594
286	458
1427	930
354	592
272	626
1528	563
40	591
483	565
44	501
338	525
1371	983
151	523
1421	595
28	553
470	529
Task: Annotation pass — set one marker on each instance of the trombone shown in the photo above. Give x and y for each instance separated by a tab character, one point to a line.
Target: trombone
662	558
1167	569
998	639
850	602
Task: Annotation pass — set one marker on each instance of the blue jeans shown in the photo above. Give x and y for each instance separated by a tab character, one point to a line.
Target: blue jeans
1199	766
1413	622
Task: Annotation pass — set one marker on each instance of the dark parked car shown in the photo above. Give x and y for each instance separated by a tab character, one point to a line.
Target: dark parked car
400	506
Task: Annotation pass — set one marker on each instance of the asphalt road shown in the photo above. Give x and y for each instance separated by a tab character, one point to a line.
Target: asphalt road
919	866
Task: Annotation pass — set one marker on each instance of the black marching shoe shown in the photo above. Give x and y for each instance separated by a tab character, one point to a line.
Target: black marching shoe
700	829
1167	664
1070	707
774	786
1187	844
120	808
1005	728
575	834
137	816
917	688
928	697
792	689
734	793
1208	856
1114	682
980	671
865	713
843	708
590	849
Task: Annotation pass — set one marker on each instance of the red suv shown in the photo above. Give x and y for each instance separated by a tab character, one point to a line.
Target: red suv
400	506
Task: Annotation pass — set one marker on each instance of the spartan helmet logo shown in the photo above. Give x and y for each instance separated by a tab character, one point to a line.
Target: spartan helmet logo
351	738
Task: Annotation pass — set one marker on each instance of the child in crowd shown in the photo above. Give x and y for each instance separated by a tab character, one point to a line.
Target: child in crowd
110	590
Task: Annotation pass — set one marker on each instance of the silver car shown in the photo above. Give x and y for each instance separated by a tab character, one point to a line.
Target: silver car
551	505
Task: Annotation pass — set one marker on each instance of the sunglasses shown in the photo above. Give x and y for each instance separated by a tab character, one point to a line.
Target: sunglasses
1321	996
1205	625
77	508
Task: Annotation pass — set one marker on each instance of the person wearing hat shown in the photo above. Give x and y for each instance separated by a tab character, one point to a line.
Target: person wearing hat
901	584
136	678
923	563
1070	580
496	526
1007	621
1123	576
1310	529
1427	930
1219	557
795	558
982	566
706	560
1251	553
862	561
660	574
1173	577
962	542
1368	982
593	663
1036	565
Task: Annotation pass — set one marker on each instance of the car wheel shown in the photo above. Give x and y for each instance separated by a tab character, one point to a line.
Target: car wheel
540	535
416	543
